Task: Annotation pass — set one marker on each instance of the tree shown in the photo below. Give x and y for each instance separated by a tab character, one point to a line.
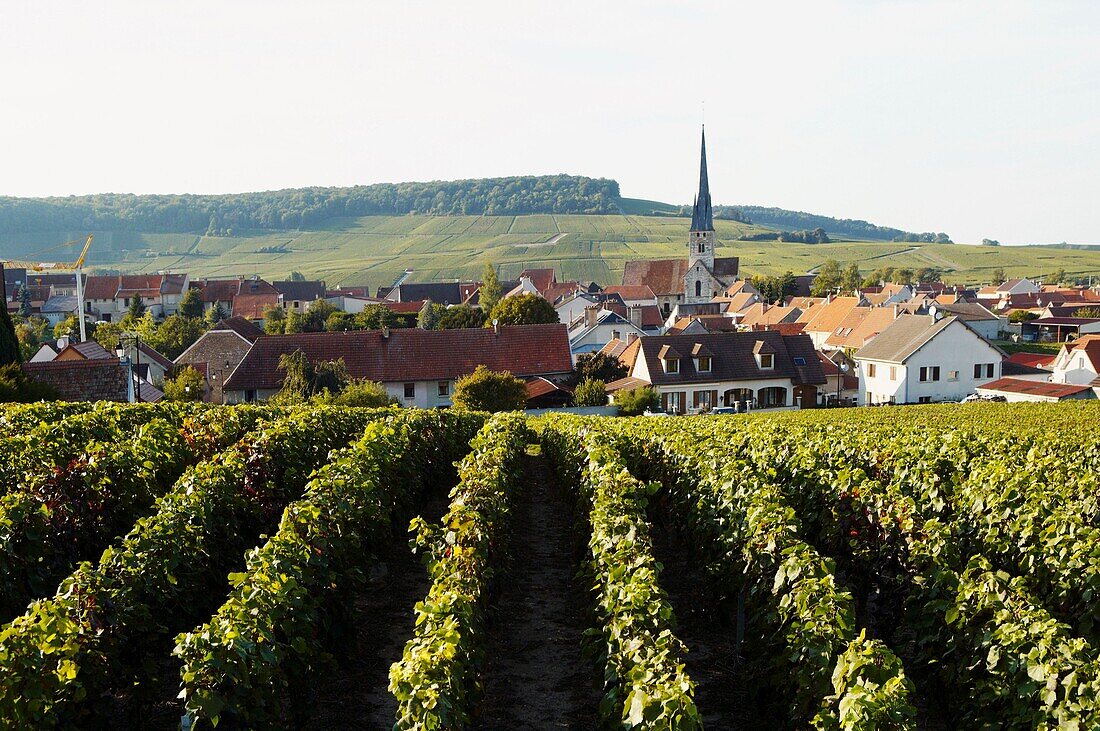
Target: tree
490	291
376	317
998	275
187	385
274	320
590	392
363	392
175	335
136	310
303	379
297	277
775	289
927	275
485	390
850	279
429	316
108	334
636	401
902	276
340	321
316	315
216	314
1023	316
462	316
827	279
990	242
295	323
9	342
1088	312
15	386
1057	278
25	308
191	305
67	328
599	367
523	309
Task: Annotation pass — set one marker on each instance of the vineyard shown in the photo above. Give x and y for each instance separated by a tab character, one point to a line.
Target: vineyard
190	566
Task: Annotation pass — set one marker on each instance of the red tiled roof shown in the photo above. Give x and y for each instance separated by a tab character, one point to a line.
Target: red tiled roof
411	354
89	350
252	306
557	290
662	276
241	326
540	278
155	356
540	387
631	291
651	316
403	307
629	383
1032	360
1034	388
126	285
217	290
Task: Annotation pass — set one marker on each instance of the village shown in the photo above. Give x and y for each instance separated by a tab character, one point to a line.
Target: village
690	335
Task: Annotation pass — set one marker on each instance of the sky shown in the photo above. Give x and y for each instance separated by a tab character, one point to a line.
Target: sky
980	119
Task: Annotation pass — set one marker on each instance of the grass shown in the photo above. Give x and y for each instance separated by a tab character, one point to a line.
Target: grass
374	250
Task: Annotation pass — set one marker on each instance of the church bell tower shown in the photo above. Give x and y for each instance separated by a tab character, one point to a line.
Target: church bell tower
699	281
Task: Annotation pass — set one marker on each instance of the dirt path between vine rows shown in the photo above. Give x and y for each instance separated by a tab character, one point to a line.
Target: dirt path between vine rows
535	677
355	695
724	681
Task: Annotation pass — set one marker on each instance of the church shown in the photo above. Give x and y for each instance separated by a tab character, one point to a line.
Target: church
700	276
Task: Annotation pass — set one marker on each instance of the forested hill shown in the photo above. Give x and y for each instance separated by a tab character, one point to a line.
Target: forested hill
308	207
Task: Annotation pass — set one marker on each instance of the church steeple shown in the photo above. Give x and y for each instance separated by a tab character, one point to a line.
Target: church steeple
701	217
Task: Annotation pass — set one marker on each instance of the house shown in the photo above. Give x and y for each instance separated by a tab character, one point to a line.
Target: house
246	298
88	350
1007	289
1077	362
860	326
600	326
977	316
297	296
572	308
59	308
543	393
218	352
1059	329
840	383
640	295
149	364
441	293
822	321
700	276
925	358
108	298
1017	389
694	373
760	315
94	379
417	367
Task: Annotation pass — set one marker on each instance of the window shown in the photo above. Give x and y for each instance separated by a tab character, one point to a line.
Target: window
767	361
929	373
983	368
952	375
704	364
297	304
924	400
702	399
250	396
672	365
443	388
702	248
410	390
893	373
799	360
870	370
698	288
673	402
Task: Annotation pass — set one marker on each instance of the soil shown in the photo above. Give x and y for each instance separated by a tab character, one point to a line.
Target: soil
535	677
725	681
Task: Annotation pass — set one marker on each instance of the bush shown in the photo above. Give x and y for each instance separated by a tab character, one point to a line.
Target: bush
523	309
632	402
187	385
1023	316
485	390
591	392
363	392
15	386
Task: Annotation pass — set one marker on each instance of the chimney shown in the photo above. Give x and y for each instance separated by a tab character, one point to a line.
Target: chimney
496	326
385	333
636	316
590	314
631	337
895	310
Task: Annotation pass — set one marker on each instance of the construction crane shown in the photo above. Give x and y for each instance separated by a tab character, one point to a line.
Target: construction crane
62	266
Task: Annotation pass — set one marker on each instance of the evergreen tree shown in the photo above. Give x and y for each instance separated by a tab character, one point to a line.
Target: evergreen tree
191	305
9	343
24	302
490	288
216	314
428	319
137	308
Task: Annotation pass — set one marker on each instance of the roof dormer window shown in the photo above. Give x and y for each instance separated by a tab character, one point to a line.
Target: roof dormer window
702	356
670	360
765	356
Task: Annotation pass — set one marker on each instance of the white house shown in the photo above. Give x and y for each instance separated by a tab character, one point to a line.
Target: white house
925	358
1078	362
598	327
1009	288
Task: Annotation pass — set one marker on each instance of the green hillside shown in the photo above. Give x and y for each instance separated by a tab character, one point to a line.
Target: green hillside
375	249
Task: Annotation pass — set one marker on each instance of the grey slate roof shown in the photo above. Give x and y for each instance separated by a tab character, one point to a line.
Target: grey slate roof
733	358
906	335
701	216
301	291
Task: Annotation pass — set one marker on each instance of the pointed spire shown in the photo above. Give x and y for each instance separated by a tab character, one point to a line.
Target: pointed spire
701	217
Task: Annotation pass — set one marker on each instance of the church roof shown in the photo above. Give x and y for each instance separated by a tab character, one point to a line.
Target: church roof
702	218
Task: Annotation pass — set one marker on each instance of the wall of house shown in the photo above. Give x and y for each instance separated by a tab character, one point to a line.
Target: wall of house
954	349
601	335
426	394
689	389
221	351
1076	368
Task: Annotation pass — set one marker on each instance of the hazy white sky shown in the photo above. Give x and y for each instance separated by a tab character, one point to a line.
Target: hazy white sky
974	118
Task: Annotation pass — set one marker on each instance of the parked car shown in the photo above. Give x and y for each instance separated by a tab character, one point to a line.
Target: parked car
656	412
723	410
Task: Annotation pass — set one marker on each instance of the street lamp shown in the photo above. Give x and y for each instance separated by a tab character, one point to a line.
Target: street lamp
841	369
126	341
